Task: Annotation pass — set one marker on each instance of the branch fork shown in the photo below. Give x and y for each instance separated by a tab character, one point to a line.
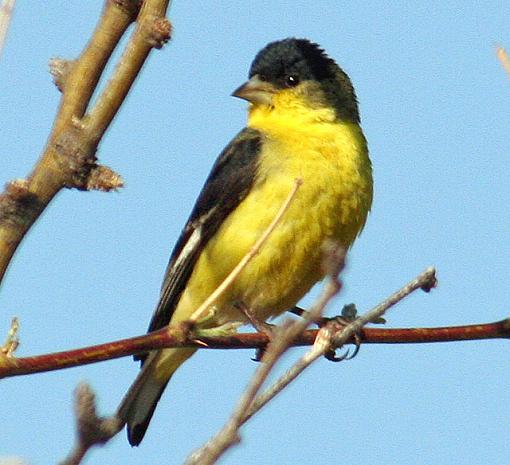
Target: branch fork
69	158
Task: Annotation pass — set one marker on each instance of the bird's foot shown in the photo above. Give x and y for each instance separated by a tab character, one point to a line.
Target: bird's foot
348	315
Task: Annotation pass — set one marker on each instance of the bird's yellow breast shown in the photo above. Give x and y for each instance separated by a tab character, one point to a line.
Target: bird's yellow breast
333	201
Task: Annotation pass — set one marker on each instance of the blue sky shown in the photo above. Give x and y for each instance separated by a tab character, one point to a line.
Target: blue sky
434	103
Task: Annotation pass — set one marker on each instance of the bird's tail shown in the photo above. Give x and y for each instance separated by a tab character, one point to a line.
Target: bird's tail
138	405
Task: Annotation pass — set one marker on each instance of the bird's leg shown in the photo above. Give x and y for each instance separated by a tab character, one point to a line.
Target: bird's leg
259	325
348	315
320	322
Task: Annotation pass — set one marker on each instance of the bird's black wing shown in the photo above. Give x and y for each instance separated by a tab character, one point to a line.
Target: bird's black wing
229	182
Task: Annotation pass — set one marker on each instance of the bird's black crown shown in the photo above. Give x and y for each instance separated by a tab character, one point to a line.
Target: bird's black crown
293	57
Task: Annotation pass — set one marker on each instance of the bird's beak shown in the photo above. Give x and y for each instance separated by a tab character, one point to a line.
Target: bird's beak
256	91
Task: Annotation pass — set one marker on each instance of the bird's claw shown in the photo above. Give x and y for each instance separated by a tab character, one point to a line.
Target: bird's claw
259	353
349	314
332	357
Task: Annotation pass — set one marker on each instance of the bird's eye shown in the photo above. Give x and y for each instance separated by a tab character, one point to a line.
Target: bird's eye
291	80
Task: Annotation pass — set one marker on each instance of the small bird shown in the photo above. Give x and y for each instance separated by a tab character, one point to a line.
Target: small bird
303	123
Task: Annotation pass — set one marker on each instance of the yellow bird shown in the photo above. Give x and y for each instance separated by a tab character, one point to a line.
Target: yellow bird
303	123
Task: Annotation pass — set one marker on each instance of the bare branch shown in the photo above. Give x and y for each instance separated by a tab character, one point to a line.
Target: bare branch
12	340
335	335
102	178
6	10
60	69
91	430
152	31
175	336
12	461
69	159
503	58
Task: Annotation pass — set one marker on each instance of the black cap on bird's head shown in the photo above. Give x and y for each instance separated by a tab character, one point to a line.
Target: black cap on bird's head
288	63
287	57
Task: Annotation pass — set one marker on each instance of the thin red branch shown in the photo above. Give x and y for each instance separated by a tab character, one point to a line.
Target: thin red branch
178	337
496	330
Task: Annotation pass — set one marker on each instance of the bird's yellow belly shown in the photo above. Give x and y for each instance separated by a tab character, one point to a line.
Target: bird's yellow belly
331	203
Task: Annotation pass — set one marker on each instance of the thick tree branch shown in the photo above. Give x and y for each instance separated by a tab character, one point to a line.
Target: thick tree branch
69	159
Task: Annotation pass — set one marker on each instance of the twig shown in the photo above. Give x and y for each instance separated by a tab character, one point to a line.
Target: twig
91	430
6	10
281	341
328	338
333	336
12	340
153	30
503	58
12	460
197	314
